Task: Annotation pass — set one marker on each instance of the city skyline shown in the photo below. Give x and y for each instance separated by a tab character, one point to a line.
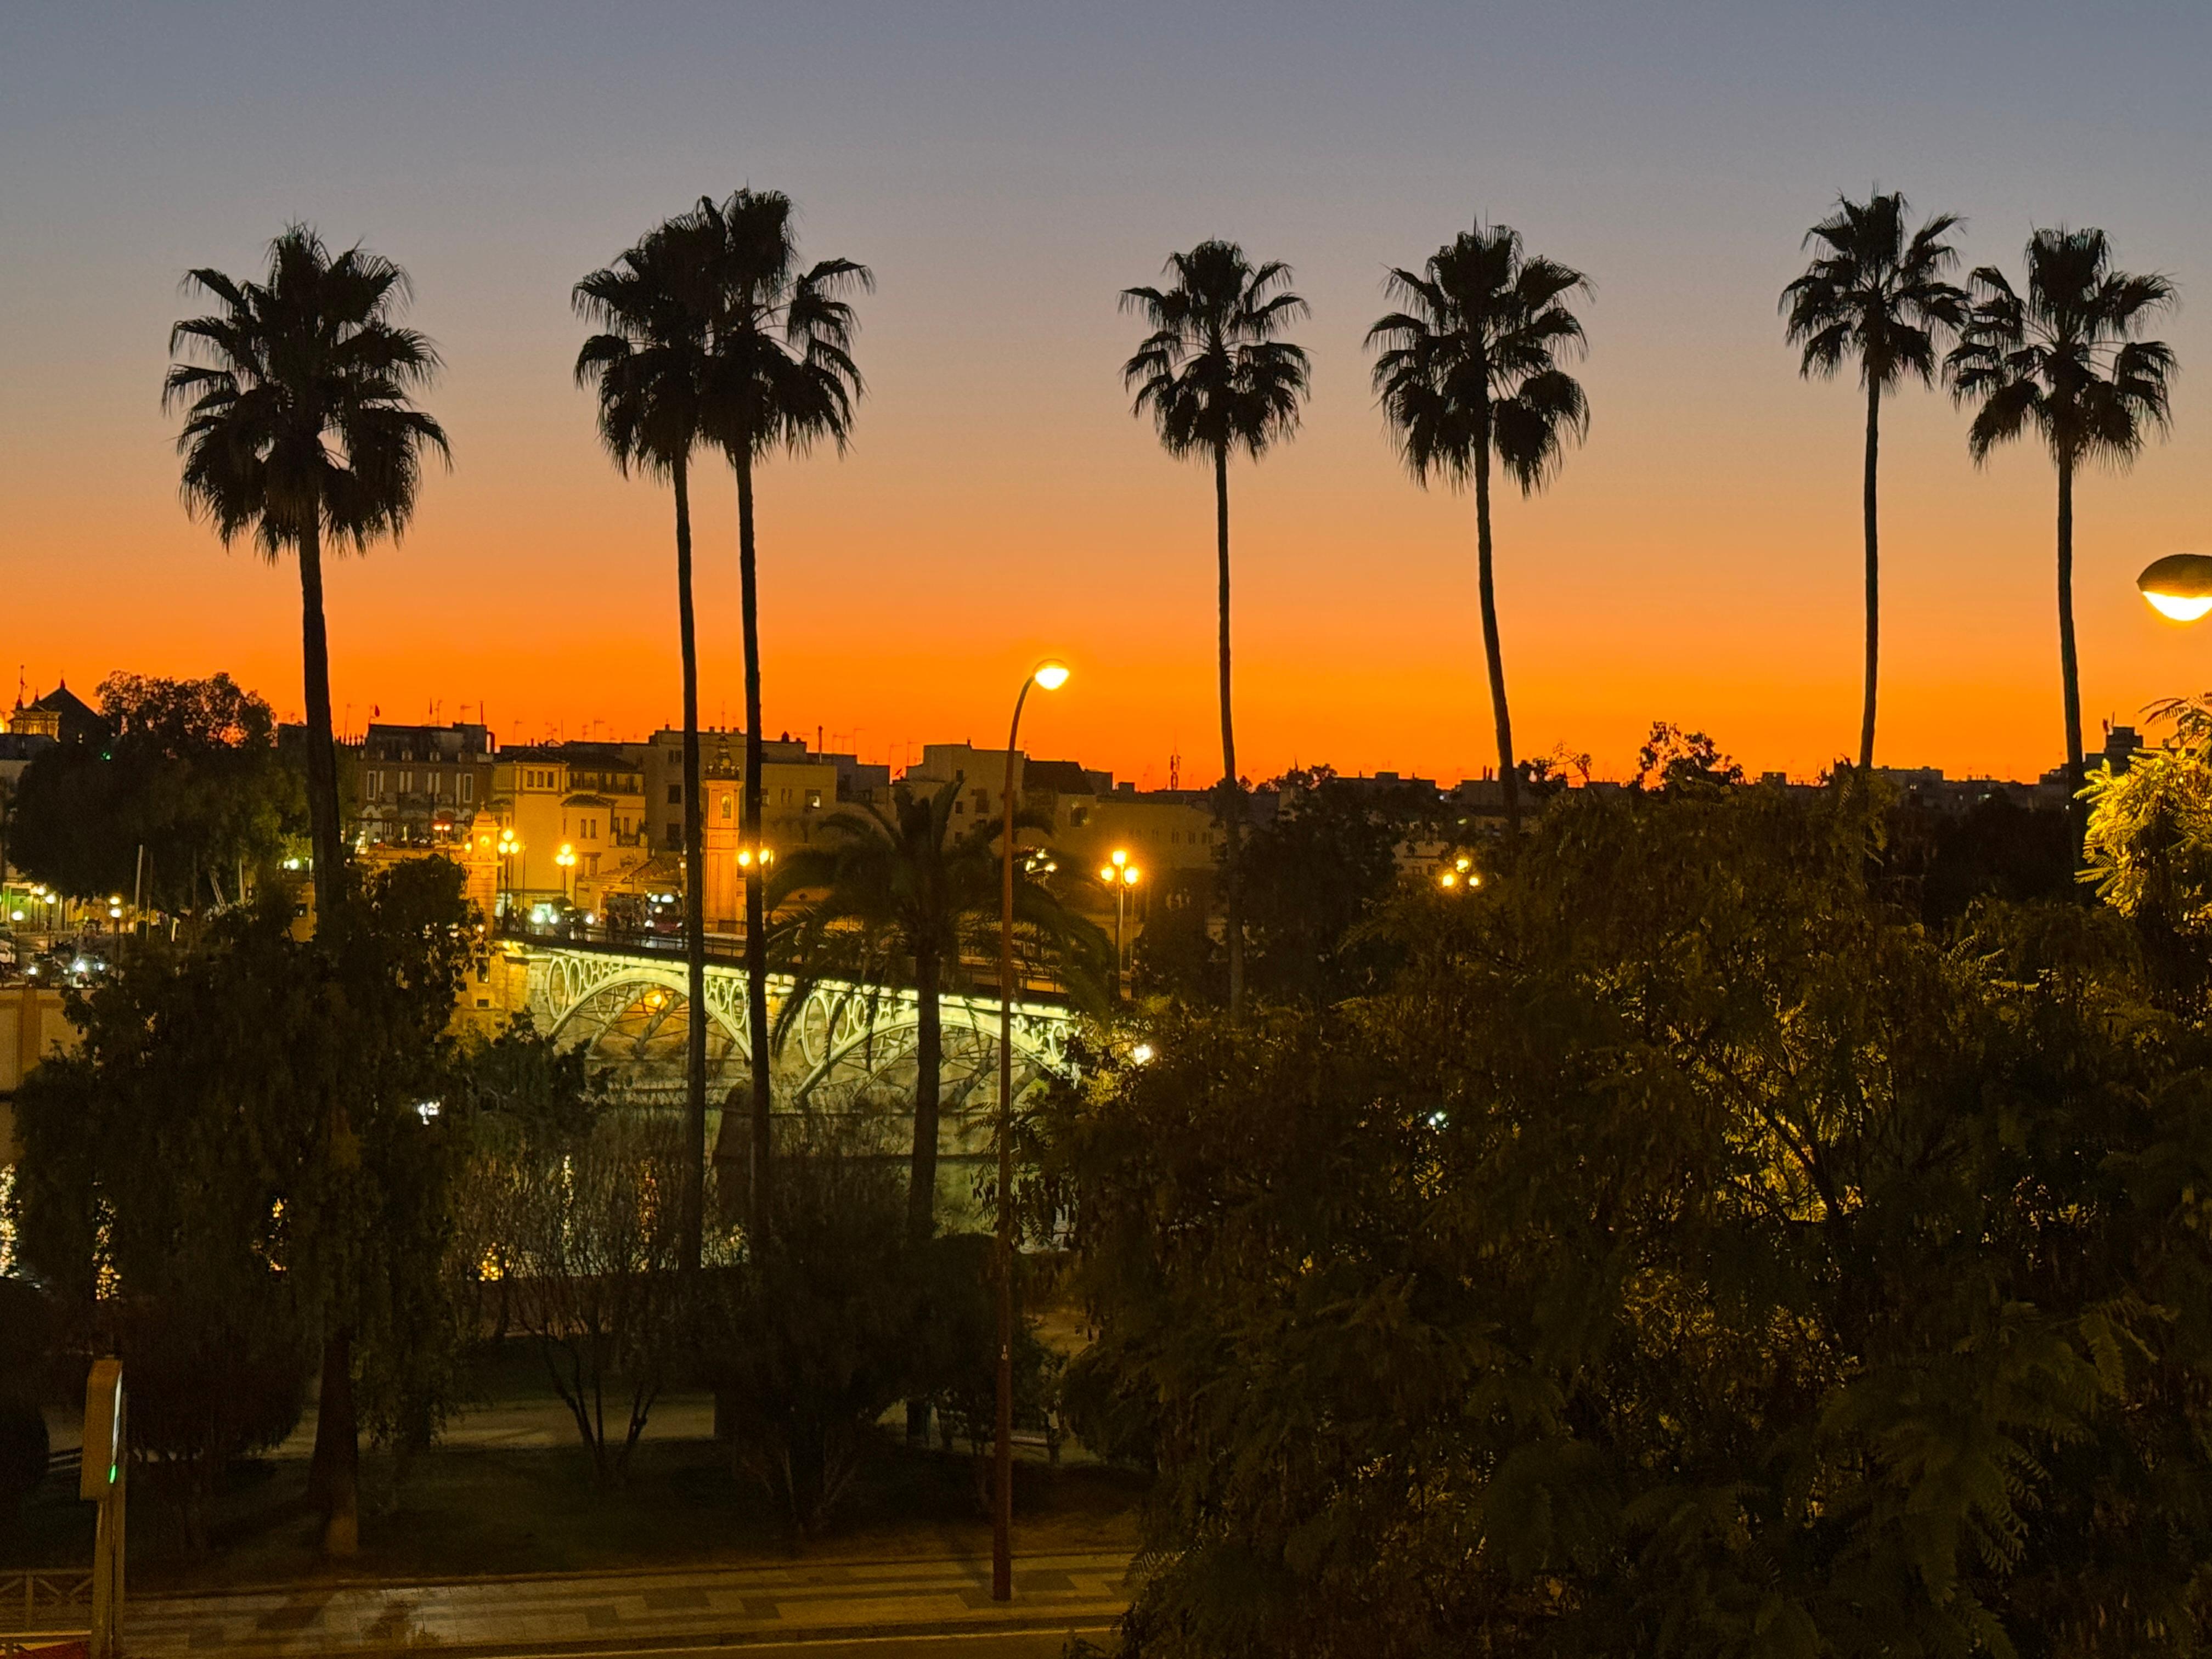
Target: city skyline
1696	561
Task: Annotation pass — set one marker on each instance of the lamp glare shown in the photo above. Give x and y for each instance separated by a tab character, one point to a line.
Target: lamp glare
2180	607
1051	675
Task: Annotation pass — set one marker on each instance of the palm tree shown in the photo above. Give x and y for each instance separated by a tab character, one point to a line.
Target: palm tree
1877	294
650	366
783	378
1217	377
300	427
1470	368
2067	360
892	897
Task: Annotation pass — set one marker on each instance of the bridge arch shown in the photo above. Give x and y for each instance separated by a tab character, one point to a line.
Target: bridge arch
843	1038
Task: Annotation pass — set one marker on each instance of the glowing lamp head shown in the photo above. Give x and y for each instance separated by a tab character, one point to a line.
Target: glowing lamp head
2179	586
1121	857
1449	880
1050	675
1129	875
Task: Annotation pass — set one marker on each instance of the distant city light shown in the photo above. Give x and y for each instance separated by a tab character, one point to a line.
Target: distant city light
1142	1054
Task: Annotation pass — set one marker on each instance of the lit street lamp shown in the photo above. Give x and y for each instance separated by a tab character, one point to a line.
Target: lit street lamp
1051	675
2179	586
566	858
1120	875
1460	876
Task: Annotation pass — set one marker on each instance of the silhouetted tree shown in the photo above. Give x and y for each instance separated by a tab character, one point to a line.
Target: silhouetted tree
1217	377
300	427
1876	294
782	378
650	366
891	898
2067	360
1470	368
190	772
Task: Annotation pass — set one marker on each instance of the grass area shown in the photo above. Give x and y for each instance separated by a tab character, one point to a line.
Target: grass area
461	1512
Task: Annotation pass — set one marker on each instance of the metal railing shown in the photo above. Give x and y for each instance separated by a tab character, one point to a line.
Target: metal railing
45	1601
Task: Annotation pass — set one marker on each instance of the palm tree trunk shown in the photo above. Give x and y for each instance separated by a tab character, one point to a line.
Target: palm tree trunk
692	1223
334	1476
759	1187
322	749
2070	670
1232	793
928	1068
334	1473
1508	779
1873	574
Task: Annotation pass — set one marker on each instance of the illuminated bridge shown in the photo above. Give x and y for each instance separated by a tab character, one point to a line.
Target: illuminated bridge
626	1003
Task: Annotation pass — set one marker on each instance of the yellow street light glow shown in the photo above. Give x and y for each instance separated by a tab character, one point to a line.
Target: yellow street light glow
1121	857
2179	586
1050	675
1129	875
1106	875
1142	1054
1449	879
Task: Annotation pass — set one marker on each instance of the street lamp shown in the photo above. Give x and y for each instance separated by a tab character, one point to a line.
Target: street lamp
2179	586
1051	674
566	858
1120	875
1460	876
509	850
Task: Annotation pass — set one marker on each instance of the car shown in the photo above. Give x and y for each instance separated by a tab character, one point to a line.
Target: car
554	918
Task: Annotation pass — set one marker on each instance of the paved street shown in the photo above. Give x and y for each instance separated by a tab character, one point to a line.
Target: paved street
941	1605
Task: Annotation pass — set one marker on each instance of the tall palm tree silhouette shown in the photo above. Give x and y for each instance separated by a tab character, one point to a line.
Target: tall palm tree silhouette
1217	376
2067	360
650	366
300	430
1469	368
1879	294
782	377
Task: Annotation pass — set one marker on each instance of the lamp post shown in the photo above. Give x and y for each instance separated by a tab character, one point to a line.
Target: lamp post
1051	675
753	863
2179	586
509	848
566	858
1120	875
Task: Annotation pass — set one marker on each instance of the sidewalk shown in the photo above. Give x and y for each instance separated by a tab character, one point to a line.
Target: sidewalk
877	1603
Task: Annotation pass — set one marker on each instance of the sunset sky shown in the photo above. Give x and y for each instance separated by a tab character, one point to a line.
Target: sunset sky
1006	170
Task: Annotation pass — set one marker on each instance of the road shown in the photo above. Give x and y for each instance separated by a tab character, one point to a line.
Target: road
823	1610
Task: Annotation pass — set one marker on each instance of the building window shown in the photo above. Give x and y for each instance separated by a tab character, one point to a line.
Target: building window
813	799
675	794
406	783
374	785
726	806
468	786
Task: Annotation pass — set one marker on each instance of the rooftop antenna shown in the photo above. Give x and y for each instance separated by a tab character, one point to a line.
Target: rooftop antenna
1175	767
